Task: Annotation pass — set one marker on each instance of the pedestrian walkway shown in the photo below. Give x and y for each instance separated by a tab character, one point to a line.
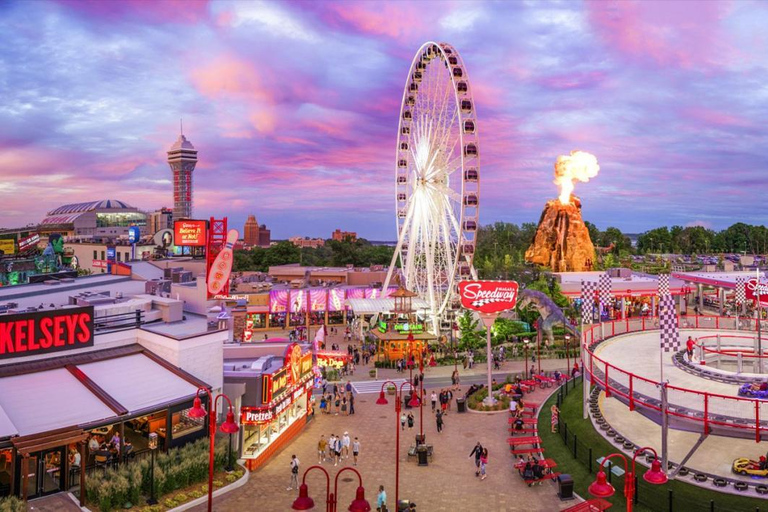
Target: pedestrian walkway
373	386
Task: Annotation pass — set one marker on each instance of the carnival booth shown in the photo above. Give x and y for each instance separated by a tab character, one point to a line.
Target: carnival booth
275	402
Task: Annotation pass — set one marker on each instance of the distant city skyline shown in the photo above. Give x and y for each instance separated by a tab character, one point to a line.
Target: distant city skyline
293	107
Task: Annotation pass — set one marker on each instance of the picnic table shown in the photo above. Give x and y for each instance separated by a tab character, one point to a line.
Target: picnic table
593	505
526	421
516	441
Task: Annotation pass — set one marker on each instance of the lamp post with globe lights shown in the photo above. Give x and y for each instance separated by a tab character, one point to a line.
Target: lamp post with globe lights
382	400
567	355
601	488
228	427
526	341
305	502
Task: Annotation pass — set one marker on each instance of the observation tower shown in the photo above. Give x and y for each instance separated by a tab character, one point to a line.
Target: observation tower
182	158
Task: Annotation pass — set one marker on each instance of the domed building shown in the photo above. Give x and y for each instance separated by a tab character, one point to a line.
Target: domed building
95	220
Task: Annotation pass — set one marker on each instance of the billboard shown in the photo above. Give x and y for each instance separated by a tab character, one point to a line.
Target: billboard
29	242
8	246
190	233
134	234
488	296
43	332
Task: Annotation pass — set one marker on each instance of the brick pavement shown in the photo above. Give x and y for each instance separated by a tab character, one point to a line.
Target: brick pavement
448	484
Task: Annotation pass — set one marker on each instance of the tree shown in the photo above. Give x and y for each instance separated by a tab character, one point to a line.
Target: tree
471	335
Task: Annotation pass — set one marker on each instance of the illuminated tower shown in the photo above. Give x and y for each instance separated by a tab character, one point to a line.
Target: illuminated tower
182	158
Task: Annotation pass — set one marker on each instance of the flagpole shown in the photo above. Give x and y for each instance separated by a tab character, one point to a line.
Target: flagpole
759	323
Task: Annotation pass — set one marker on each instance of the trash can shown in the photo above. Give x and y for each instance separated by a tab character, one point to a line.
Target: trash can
420	438
461	405
422	452
565	487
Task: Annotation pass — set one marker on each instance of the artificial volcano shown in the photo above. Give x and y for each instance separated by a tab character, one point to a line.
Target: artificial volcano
562	240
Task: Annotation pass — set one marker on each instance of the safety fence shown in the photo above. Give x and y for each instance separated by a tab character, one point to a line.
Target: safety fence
659	498
727	415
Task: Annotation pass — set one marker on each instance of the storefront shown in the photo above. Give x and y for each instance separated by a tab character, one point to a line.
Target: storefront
61	415
275	404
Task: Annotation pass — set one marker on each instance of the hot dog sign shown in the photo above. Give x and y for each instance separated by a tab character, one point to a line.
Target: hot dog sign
488	296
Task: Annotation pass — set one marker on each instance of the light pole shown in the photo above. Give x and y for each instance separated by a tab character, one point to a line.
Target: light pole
152	449
601	488
304	502
382	400
538	350
526	341
759	322
567	355
228	427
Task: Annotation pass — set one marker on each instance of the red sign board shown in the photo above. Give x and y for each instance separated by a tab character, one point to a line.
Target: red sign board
43	332
488	296
751	291
99	264
191	233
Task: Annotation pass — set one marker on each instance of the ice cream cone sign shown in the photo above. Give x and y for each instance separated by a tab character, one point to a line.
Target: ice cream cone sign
219	273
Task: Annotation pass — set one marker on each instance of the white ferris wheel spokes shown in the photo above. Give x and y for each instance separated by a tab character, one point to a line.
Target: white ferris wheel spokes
437	188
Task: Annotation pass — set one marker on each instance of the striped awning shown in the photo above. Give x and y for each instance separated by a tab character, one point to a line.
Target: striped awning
371	306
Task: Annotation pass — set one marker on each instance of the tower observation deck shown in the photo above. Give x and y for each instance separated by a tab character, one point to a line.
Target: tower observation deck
182	158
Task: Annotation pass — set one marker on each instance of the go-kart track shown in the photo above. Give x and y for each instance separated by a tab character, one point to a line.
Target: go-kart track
631	361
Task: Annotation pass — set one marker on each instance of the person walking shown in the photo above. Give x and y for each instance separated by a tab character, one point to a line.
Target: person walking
439	421
337	452
483	463
433	397
351	404
344	405
355	450
449	398
345	445
381	500
294	473
322	445
403	419
477	451
410	420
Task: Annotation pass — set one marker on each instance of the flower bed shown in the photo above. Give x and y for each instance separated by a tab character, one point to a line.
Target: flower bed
475	401
12	504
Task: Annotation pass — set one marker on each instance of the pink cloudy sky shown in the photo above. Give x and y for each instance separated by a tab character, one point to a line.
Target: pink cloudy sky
293	106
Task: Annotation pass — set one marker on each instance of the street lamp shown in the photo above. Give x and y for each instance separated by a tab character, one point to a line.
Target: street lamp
228	427
526	341
152	449
304	502
601	488
567	355
382	400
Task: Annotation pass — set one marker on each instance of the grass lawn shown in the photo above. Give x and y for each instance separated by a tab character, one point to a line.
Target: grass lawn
685	497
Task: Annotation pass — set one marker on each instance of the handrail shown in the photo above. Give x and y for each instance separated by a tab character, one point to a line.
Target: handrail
595	366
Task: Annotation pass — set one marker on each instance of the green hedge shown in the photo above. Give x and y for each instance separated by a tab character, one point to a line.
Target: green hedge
112	489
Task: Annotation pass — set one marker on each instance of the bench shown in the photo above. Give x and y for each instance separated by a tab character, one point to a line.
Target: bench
593	505
526	451
513	431
526	421
549	476
546	464
513	441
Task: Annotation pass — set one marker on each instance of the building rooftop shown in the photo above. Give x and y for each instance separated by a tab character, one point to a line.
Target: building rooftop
103	204
181	143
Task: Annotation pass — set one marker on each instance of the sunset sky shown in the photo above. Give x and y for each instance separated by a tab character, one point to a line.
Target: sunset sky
293	106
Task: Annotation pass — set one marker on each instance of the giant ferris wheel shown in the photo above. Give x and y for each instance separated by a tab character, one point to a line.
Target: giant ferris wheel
437	180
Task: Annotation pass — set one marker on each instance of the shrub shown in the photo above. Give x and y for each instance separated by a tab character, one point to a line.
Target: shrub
196	494
231	478
170	503
12	504
218	483
181	497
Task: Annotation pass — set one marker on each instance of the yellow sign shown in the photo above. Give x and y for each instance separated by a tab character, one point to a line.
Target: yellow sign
8	246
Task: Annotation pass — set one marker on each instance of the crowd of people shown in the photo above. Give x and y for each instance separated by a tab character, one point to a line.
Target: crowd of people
338	399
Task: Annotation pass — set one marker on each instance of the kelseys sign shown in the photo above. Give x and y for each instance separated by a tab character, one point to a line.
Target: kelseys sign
43	332
488	296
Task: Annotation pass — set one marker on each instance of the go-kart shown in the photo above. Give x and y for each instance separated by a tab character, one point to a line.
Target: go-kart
745	466
746	390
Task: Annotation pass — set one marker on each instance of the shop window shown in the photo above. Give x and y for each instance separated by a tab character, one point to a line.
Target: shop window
95	255
118	256
184	425
5	472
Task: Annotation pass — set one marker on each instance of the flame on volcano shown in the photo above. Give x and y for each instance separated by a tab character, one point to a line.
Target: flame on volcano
579	165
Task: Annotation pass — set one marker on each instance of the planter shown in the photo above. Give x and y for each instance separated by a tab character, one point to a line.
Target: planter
391	390
373	373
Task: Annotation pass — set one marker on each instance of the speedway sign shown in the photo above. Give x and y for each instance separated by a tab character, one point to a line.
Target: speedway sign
753	289
488	296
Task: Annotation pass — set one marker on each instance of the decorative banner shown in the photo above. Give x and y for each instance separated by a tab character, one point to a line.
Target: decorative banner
44	332
298	302
356	293
218	275
335	299
588	289
278	301
670	333
193	233
604	287
318	298
741	294
488	296
663	285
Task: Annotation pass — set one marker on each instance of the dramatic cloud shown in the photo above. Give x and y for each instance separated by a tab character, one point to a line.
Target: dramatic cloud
294	106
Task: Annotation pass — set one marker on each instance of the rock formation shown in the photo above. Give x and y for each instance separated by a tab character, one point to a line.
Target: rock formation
562	240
